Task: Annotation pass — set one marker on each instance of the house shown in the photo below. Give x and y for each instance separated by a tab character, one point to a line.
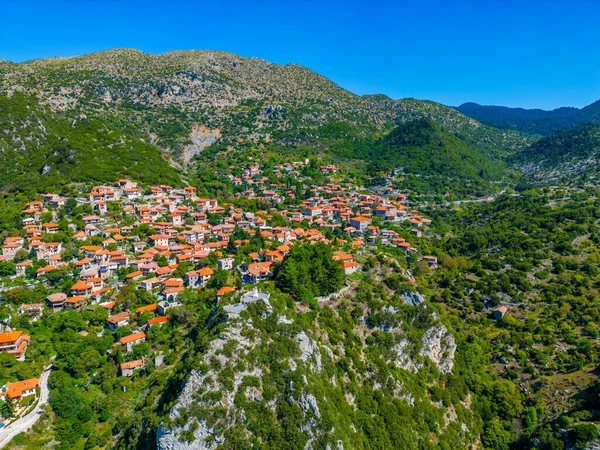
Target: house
360	223
150	308
431	261
160	240
56	301
22	267
127	368
134	275
499	312
20	389
258	272
204	274
33	309
170	294
118	320
224	291
150	283
133	339
175	219
199	277
166	305
225	264
10	250
14	343
81	288
74	302
313	211
156	321
47	249
347	263
192	278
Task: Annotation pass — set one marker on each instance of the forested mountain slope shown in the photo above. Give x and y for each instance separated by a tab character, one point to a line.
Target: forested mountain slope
185	101
532	121
424	149
567	157
40	149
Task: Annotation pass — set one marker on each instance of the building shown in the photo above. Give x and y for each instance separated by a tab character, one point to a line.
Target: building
360	223
258	272
224	291
164	306
56	301
347	263
431	261
133	339
118	320
14	343
20	389
127	368
226	264
33	309
9	251
499	312
156	321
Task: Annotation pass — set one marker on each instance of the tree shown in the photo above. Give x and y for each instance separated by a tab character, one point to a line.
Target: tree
7	409
309	270
583	433
231	247
145	316
495	436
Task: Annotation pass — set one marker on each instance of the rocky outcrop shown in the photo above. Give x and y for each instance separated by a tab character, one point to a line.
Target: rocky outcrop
438	345
201	137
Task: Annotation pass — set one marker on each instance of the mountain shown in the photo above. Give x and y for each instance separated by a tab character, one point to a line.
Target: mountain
186	101
569	157
435	158
532	121
40	149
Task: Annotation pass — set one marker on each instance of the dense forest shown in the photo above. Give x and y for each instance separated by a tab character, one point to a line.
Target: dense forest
532	121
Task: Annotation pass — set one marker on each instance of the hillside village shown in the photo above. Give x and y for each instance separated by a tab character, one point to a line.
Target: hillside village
164	241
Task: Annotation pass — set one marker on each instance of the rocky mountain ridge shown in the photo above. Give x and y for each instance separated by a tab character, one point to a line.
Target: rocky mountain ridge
165	97
267	363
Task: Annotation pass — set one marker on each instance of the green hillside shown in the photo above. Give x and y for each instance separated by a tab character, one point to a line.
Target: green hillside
567	157
42	150
434	158
532	121
186	101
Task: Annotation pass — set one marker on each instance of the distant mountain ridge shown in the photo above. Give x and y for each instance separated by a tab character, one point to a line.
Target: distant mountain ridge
532	121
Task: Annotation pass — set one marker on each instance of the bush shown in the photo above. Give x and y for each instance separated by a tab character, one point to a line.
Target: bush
584	433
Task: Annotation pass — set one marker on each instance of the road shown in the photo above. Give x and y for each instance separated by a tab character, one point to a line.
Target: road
26	422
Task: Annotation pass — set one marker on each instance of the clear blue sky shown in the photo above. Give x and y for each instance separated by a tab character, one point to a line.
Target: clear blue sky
516	53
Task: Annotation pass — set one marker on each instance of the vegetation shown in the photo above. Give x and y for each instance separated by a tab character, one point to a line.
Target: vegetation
309	271
532	121
565	158
42	151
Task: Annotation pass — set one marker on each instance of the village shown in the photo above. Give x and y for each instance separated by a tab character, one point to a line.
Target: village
165	240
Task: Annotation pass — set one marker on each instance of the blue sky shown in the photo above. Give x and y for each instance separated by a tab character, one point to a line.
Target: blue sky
515	53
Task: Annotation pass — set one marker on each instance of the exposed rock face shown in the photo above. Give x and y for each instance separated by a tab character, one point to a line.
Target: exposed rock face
438	345
201	138
413	298
205	436
309	350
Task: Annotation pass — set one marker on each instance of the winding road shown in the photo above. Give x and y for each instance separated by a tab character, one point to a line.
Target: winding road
26	422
